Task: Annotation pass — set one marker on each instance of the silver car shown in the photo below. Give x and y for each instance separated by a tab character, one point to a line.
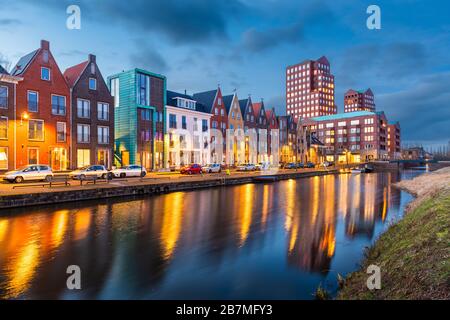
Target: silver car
129	171
212	168
97	171
30	173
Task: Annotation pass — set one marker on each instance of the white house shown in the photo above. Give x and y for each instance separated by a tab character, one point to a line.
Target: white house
188	130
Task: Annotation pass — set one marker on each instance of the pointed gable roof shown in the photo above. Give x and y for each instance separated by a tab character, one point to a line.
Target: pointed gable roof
257	108
243	105
228	100
23	63
369	92
3	71
323	60
206	98
74	73
172	95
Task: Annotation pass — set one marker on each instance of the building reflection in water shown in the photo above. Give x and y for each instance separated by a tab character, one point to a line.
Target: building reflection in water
132	248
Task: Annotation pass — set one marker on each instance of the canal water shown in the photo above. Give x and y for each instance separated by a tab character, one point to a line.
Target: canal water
254	241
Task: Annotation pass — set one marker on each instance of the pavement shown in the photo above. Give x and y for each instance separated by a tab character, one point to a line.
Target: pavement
7	188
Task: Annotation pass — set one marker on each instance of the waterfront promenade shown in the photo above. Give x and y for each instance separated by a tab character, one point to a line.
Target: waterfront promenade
28	194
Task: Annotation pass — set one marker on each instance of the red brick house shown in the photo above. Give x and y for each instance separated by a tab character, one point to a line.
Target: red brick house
272	133
213	102
261	126
8	120
43	97
92	123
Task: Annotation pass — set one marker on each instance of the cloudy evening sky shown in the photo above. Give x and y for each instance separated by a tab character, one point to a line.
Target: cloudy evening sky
246	45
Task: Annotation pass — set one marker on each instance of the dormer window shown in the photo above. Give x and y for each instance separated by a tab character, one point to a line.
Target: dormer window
92	84
45	74
184	103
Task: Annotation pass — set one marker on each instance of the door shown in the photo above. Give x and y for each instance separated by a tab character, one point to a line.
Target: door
125	158
58	159
33	155
103	157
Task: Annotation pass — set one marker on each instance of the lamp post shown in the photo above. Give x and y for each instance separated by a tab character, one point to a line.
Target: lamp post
24	116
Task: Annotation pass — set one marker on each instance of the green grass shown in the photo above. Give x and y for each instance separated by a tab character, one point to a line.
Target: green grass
414	256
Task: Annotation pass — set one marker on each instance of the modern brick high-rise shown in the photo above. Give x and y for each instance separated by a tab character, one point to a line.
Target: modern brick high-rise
310	89
359	101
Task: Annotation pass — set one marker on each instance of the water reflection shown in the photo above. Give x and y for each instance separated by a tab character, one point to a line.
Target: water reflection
217	243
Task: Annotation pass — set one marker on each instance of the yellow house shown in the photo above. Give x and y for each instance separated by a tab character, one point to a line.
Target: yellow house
235	151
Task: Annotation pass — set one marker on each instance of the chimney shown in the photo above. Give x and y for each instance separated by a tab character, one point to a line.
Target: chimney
45	45
92	58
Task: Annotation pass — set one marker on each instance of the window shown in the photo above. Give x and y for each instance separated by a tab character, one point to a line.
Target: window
219	101
45	74
3	158
33	100
83	157
204	125
92	68
115	91
354	122
103	111
103	135
143	89
172	121
58	105
83	133
36	130
33	157
60	132
4	97
83	108
3	128
92	84
146	114
183	122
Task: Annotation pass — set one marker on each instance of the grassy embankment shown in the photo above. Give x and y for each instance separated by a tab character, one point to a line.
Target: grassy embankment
413	254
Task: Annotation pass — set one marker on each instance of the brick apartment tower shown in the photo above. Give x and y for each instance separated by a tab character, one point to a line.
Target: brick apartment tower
359	101
310	89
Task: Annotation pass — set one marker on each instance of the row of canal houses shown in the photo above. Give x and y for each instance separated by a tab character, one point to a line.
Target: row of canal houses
77	117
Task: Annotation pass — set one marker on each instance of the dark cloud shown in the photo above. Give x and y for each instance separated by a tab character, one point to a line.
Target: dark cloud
149	58
309	15
193	21
381	62
423	109
9	22
257	41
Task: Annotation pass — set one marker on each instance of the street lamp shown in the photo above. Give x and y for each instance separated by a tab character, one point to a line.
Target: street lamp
24	116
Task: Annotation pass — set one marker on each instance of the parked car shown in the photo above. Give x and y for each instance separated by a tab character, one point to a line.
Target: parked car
327	164
300	165
289	165
89	171
29	173
310	165
129	171
246	167
191	169
263	166
212	168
